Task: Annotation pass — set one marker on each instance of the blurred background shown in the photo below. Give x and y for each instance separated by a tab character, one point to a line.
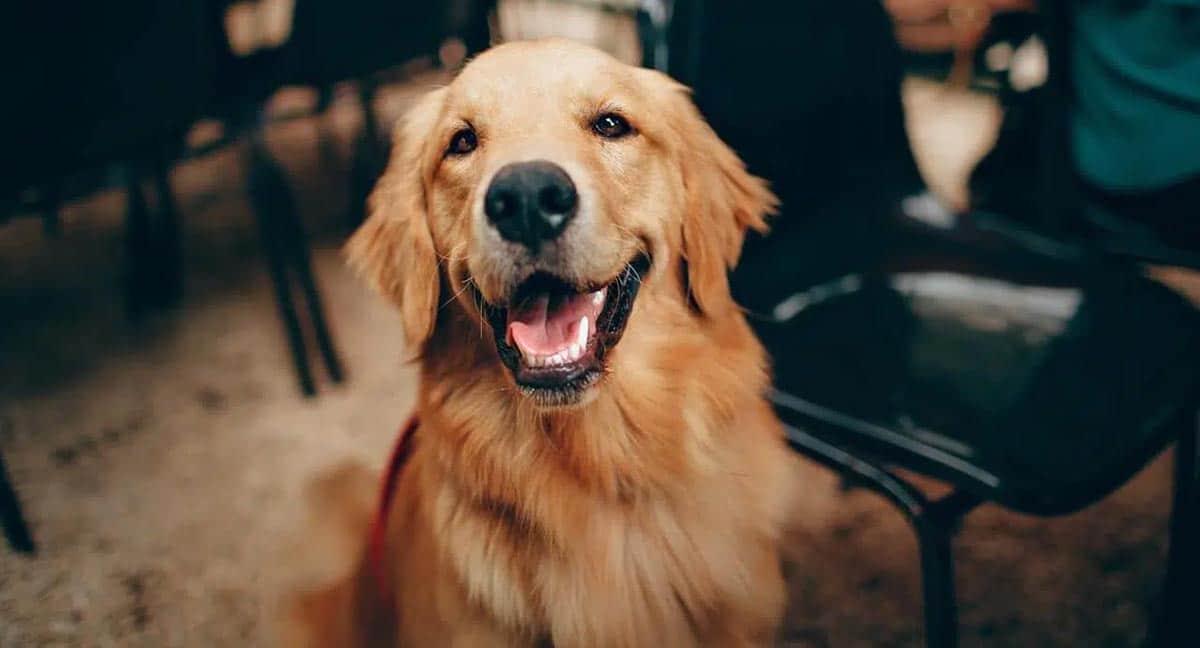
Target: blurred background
977	286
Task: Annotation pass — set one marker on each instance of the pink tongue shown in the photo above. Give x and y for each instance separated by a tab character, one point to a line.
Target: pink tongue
545	326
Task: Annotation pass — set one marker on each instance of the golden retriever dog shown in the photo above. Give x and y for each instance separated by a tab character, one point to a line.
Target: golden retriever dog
595	462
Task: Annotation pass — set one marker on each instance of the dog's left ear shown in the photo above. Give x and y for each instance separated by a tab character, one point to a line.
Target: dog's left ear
722	200
393	250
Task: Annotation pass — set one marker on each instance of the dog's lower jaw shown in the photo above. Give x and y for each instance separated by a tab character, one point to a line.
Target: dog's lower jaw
576	396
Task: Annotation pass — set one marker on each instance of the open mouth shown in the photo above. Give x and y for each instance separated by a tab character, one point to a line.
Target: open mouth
554	337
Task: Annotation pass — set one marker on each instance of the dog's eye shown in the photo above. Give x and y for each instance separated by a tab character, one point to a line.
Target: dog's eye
611	126
463	142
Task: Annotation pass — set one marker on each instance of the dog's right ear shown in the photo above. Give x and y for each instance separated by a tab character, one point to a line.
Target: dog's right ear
394	250
723	198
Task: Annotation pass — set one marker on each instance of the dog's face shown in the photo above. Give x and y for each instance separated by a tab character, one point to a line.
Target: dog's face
540	192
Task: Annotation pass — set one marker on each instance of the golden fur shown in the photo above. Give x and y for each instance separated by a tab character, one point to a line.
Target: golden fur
649	514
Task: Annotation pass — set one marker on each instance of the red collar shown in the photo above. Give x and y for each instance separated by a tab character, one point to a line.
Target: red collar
377	547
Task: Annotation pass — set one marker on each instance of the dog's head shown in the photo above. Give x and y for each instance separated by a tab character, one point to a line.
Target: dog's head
540	192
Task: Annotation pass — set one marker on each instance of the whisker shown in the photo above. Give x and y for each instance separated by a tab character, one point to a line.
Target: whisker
625	230
465	284
479	309
454	253
640	242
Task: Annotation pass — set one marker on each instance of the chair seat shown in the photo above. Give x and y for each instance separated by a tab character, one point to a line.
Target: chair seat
1040	381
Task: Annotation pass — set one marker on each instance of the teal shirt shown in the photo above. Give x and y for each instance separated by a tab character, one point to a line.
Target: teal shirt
1136	117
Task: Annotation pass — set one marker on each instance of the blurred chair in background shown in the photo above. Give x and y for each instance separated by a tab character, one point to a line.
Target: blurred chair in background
12	522
830	138
327	43
1033	372
108	95
103	91
319	55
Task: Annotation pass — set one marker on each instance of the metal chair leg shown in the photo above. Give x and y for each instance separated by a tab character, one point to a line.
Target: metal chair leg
327	156
152	242
333	365
273	208
15	528
935	527
369	156
168	246
51	203
295	244
934	523
286	248
937	583
138	244
1183	552
316	313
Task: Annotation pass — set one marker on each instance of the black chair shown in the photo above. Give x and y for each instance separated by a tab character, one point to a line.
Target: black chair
330	42
1034	380
101	95
333	42
1015	367
103	91
144	73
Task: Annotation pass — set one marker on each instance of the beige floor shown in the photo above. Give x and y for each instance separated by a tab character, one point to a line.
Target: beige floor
161	464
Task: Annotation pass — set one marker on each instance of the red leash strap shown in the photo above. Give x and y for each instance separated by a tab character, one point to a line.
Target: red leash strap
377	542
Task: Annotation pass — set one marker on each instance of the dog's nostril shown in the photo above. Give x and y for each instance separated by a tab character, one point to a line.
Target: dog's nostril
556	199
531	202
501	206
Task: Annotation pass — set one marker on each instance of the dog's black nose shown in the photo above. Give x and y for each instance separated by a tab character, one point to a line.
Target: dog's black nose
531	202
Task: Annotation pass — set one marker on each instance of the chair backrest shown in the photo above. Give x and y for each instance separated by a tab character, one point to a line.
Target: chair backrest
99	82
334	40
808	93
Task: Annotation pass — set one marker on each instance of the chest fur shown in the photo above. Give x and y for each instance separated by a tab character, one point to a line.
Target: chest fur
612	575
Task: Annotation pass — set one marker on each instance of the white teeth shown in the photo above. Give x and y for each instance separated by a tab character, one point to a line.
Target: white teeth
598	296
582	332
